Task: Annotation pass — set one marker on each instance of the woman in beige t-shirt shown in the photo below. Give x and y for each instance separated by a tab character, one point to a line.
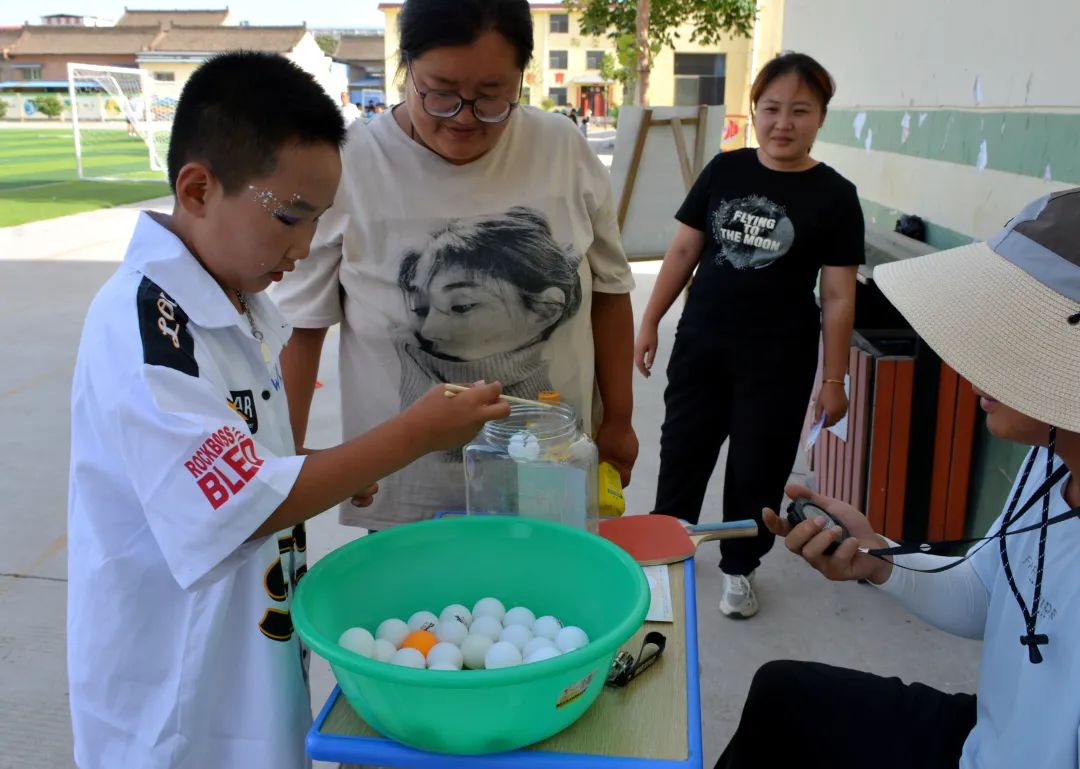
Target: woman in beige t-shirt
472	238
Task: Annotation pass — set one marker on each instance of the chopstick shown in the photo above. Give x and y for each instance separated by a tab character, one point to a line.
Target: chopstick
454	389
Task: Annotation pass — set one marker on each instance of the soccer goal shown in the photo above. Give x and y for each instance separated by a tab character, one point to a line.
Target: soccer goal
122	119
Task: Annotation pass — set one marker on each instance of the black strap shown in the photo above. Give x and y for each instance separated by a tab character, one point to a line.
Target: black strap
1032	639
935	548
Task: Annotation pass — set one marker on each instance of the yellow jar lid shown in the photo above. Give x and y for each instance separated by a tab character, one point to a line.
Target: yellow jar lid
549	396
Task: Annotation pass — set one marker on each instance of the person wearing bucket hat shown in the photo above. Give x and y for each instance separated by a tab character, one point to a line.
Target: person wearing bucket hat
1006	315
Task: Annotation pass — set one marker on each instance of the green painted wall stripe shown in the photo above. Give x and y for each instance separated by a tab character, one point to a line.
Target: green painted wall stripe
1022	143
936	235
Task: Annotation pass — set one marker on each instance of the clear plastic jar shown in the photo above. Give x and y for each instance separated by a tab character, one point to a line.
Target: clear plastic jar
537	463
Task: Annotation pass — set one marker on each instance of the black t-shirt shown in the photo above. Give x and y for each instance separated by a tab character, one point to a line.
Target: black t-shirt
767	235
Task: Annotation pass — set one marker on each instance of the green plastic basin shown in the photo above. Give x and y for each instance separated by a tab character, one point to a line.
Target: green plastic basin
550	568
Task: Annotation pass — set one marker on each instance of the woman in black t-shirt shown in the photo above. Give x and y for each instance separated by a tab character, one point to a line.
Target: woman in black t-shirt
759	225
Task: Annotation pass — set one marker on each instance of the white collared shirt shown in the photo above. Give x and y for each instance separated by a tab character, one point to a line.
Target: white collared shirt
181	651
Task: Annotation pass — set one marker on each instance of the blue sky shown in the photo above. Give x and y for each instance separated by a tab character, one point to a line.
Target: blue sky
317	13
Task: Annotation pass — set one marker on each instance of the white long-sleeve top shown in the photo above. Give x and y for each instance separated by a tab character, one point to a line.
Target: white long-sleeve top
1028	714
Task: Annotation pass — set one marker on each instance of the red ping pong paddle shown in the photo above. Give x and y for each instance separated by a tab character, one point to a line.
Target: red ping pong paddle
657	539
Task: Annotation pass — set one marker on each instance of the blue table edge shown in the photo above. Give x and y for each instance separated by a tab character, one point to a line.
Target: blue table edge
381	750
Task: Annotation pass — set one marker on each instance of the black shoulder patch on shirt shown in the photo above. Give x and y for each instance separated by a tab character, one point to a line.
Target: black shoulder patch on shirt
166	340
243	403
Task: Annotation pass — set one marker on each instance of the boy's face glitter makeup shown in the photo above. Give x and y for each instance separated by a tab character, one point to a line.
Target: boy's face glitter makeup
273	205
251	239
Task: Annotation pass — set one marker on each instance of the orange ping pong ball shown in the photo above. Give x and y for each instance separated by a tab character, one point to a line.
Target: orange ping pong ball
421	640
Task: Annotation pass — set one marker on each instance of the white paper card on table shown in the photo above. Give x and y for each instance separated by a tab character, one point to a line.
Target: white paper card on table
815	432
659	594
840	428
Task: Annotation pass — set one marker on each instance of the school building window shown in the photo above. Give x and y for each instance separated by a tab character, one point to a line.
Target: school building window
29	71
560	22
558	59
165	77
699	78
593	59
558	95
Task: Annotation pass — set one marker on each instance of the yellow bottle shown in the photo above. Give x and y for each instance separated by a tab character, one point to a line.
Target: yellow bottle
610	492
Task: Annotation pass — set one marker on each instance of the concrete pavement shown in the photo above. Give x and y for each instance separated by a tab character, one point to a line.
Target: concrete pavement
50	270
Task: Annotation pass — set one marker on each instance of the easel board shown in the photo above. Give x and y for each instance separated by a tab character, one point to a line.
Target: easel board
659	166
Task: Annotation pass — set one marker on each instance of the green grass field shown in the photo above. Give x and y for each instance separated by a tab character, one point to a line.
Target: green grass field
38	177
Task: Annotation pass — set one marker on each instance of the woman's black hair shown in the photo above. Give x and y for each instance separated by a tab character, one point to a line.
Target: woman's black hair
427	24
808	70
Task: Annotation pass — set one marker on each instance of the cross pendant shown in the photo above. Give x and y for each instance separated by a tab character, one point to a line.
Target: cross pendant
1033	642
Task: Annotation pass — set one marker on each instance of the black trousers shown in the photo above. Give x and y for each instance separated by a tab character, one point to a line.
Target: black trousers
751	391
814	716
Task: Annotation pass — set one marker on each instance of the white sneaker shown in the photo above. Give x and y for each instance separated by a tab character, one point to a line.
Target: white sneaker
738	601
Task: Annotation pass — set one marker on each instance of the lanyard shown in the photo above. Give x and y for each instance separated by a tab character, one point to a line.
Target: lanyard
1031	639
936	548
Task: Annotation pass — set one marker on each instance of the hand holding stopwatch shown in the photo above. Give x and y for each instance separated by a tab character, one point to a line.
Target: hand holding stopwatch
802	509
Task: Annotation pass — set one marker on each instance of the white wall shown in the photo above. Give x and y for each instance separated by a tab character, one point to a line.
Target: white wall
971	107
929	52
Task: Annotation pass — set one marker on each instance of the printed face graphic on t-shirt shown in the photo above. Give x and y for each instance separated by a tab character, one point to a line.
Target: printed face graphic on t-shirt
463	314
483	295
752	232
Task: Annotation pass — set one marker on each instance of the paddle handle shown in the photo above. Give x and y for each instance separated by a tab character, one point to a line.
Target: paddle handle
706	532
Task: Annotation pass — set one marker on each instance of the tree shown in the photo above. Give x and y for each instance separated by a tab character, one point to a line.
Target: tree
654	25
49	106
621	67
328	43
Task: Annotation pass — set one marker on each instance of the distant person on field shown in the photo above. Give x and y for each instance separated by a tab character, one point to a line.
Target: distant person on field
349	111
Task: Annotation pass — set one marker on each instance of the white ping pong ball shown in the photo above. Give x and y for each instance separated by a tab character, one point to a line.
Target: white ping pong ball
518	635
488	626
392	630
357	640
445	654
543	653
502	655
538	643
489	607
473	649
384	651
452	631
570	638
422	620
408	658
519	615
547	627
456	611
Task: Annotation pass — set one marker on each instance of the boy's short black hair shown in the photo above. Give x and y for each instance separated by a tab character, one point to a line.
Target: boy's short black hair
239	108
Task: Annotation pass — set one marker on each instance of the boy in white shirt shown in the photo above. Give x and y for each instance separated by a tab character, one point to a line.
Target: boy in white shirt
187	497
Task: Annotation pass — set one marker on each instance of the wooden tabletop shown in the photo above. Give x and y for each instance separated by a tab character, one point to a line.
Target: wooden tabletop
646	719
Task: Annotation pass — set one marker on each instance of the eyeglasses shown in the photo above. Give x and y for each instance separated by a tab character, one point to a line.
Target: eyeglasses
447	104
625	668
